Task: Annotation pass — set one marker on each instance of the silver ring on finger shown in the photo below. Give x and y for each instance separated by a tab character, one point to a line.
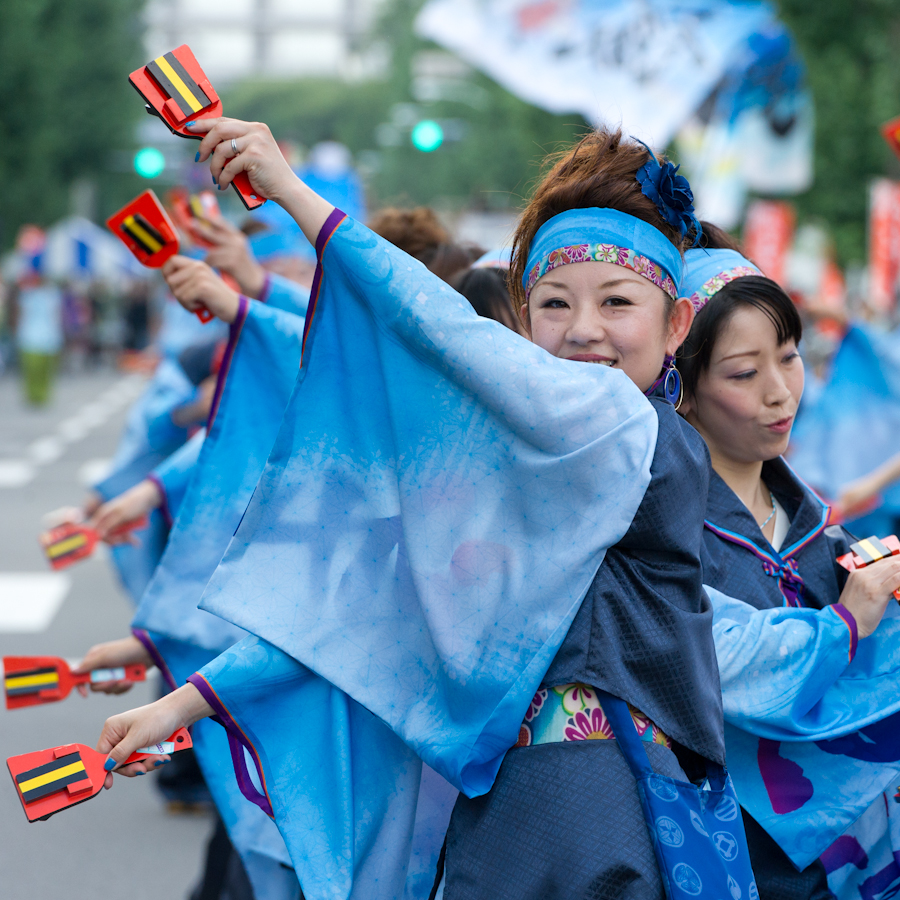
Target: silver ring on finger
234	148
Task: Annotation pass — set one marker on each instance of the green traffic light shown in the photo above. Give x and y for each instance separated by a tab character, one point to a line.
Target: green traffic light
427	135
149	162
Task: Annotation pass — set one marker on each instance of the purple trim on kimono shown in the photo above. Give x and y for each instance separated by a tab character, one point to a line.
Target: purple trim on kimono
849	620
335	217
266	289
234	334
164	501
237	741
155	655
779	565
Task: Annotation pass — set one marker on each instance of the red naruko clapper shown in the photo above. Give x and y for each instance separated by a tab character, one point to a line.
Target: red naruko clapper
145	228
48	781
68	543
35	680
871	550
175	88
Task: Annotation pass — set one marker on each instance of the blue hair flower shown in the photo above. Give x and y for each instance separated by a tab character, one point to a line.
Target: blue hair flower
671	193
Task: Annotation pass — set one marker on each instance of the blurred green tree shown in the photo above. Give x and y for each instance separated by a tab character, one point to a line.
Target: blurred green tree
65	103
851	58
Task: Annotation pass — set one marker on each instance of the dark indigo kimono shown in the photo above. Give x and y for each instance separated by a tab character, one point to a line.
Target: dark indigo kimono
643	633
740	562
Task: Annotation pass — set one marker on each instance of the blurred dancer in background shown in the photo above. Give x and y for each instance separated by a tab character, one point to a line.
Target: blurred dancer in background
39	332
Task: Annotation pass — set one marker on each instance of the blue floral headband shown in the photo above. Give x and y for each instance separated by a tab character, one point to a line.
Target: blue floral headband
604	235
706	272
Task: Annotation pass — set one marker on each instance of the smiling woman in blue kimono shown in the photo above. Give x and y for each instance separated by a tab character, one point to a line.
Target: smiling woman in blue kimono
809	670
459	537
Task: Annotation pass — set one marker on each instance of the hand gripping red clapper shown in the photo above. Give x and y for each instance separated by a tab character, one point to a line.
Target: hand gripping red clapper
68	543
188	209
145	228
175	88
48	781
869	551
35	680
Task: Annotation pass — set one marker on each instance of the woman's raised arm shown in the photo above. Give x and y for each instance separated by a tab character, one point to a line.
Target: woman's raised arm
233	146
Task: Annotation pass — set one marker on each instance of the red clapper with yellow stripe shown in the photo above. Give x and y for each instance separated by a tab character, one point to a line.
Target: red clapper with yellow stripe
869	551
68	543
35	680
48	781
176	89
145	228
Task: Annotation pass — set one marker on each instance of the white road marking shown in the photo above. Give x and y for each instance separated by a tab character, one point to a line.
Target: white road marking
73	429
46	450
30	600
15	473
93	470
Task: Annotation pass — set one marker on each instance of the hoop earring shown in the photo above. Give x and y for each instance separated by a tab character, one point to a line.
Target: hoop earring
672	387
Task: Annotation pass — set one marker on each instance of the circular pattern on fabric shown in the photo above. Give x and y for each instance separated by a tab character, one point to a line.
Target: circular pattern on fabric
662	787
726	809
687	879
753	893
669	832
726	844
697	822
734	888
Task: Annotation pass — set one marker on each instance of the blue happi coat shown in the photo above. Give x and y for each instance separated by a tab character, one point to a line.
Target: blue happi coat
437	503
257	374
811	731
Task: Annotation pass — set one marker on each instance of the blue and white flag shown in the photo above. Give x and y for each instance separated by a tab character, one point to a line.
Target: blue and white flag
647	64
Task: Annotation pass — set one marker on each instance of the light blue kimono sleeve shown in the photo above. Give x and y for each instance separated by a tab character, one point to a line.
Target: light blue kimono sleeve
255	381
282	293
328	796
812	728
138	452
791	674
172	475
435	507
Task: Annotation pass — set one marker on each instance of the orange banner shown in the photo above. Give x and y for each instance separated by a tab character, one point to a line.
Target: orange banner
768	232
884	244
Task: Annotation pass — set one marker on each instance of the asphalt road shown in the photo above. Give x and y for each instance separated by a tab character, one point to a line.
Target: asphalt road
123	843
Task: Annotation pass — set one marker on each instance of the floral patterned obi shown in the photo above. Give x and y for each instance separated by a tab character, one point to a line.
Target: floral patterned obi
572	712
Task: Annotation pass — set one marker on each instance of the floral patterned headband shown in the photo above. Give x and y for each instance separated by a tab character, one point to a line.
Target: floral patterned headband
613	237
706	272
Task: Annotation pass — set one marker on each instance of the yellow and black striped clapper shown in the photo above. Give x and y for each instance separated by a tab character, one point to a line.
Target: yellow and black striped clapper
31	681
871	550
175	81
51	777
143	234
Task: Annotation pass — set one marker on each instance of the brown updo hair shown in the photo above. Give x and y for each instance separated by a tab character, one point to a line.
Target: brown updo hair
417	232
600	170
715	238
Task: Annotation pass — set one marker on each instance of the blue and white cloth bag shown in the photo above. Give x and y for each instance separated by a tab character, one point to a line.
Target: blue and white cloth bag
698	833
